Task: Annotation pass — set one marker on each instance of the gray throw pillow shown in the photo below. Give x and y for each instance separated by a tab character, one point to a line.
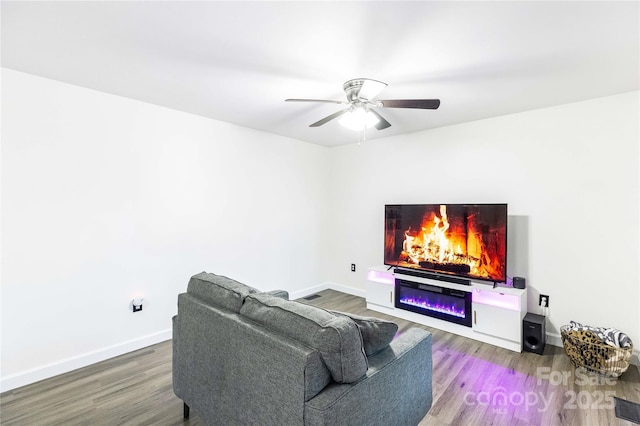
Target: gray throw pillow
336	338
376	333
219	291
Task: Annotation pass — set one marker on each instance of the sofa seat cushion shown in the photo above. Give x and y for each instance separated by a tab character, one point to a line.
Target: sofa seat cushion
219	290
376	333
336	338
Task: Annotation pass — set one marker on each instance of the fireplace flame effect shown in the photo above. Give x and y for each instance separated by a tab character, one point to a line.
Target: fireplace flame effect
449	309
443	243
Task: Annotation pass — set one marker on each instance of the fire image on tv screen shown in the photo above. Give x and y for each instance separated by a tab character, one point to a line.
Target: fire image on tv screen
465	240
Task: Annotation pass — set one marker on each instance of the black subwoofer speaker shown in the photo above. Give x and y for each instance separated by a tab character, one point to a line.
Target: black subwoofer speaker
518	282
533	333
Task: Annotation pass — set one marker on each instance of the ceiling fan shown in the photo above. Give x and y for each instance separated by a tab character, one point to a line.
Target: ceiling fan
360	111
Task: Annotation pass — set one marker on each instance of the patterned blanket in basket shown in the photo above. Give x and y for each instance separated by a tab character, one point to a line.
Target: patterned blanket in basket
610	336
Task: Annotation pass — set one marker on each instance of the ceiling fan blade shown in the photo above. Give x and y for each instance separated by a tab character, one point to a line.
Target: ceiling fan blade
382	124
411	103
317	100
328	118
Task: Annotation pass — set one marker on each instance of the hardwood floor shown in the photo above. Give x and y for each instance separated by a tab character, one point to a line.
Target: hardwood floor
473	384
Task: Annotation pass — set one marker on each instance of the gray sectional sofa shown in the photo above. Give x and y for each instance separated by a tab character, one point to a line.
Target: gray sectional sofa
242	357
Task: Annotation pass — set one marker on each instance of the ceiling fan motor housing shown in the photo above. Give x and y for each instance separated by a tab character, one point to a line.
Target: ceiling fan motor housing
353	88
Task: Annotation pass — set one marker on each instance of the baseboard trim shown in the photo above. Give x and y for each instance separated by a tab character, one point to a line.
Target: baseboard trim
327	286
349	290
64	366
73	363
555	340
308	291
50	370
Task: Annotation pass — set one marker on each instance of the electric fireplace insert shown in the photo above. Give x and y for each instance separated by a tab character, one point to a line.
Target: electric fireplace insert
438	302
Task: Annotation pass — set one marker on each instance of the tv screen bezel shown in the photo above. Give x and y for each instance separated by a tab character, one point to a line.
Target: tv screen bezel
440	273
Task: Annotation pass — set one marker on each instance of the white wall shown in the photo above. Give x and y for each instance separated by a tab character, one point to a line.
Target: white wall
570	177
105	198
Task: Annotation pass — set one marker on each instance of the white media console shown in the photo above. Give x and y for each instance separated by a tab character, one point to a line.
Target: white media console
497	312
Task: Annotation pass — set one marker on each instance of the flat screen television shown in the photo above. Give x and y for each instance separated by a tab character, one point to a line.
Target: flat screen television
458	240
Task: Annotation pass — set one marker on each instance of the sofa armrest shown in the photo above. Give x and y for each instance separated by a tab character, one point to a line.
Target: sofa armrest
282	294
396	390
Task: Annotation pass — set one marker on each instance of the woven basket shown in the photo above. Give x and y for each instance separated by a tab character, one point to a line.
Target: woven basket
596	357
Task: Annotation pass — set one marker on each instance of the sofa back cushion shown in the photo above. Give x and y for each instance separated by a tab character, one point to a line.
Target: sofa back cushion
219	291
337	338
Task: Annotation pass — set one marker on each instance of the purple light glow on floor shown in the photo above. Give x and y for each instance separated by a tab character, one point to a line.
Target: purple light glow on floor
497	388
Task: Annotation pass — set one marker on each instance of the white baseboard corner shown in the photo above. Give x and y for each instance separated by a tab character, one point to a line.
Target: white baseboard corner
555	340
327	286
346	289
73	363
308	291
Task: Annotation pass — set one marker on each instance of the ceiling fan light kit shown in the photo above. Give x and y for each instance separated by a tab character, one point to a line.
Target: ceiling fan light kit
360	113
359	119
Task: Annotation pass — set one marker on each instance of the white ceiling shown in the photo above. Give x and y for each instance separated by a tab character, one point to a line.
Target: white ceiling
238	61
